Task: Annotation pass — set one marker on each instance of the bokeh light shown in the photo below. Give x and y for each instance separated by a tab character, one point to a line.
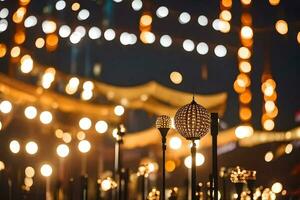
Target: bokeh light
269	156
101	126
85	123
277	187
14	146
244	131
46	170
5	107
162	12
281	27
200	159
175	143
31	148
176	77
119	110
84	146
62	150
46	117
29	172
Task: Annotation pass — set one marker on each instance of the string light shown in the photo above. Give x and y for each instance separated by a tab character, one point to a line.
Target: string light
19	37
85	123
81	135
202	48
48	26
59	133
146	20
75	6
31	148
15	51
46	117
84	146
83	15
48	77
29	172
4	12
64	31
269	156
147	37
66	137
3	50
28	181
119	110
165	41
39	43
137	5
176	77
60	5
62	150
109	34
101	126
224	26
281	27
246	32
5	107
30	21
225	15
51	41
268	124
94	33
188	45
26	64
184	18
170	166
220	51
202	20
75	38
46	170
175	143
244	53
245	66
72	86
14	146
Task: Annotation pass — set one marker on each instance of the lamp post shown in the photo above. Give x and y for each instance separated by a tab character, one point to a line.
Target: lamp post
46	171
214	129
237	177
192	121
163	124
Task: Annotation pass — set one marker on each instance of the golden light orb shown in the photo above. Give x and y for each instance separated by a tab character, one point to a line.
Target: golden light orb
62	150
3	50
281	27
49	26
146	20
246	32
2	165
75	6
51	41
224	26
19	37
59	133
277	187
245	97
175	143
147	37
46	117
269	156
106	185
15	52
244	53
243	131
246	19
288	148
225	15
269	106
29	172
67	137
274	2
39	43
238	88
119	110
243	80
245	67
28	182
85	123
245	113
84	146
30	112
86	95
170	166
246	2
46	170
26	64
226	3
298	37
200	159
101	126
5	107
31	148
24	2
176	77
14	146
268	124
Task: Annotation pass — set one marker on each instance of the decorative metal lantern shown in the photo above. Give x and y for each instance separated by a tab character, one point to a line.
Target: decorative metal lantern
192	121
163	122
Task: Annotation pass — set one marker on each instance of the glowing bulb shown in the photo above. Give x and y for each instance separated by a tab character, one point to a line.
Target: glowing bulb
200	159
184	18
5	107
30	21
288	148
277	187
109	34
298	37
62	150
94	33
14	146
81	135
48	26
106	185
165	41
243	131
246	2
26	64
270	106
202	20
46	117
101	126
85	123
64	31
137	5
2	166
84	146
29	172
246	32
220	51
244	53
245	67
48	77
75	6
86	95
75	38
66	137
60	5
39	43
216	24
4	13
46	170
119	110
83	15
281	27
15	51
225	15
274	2
224	26
147	37
176	77
31	148
269	124
3	25
202	48
175	143
162	12
188	45
269	156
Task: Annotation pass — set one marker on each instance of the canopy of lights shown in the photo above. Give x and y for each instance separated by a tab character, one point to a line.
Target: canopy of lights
90	88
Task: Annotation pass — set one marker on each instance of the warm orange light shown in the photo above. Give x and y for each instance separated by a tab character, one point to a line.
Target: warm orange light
273	114
3	50
247	42
227	3
238	88
51	42
245	113
246	2
281	27
298	37
269	124
19	15
245	97
244	53
225	15
246	19
147	37
274	2
75	6
146	20
19	37
246	32
243	80
15	51
272	97
224	26
170	166
24	2
40	43
245	67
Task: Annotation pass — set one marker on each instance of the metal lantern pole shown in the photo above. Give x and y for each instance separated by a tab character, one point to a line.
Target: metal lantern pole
194	175
214	129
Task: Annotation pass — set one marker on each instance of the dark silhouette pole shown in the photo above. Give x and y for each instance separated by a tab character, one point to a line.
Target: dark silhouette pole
214	129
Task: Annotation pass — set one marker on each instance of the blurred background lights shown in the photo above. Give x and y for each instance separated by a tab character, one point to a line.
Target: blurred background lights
137	5
202	20
30	21
147	37
39	43
188	45
62	150
246	32
1	125
162	12
269	124
81	135
46	170
281	27
175	143
109	34
80	30
184	18
246	2
88	85
94	33
220	51
75	6
202	48
84	146
146	20
3	50
60	5
298	37
224	26
86	95
118	1
5	107
66	137
64	31
75	38
216	24
49	26
83	14
245	66
165	41
176	77
119	110
14	146
3	25
244	53
274	2
106	185
199	160
15	51
288	148
277	187
26	64
170	166
31	148
101	126
243	131
2	165
46	117
28	181
4	13
29	172
269	156
225	15
85	123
